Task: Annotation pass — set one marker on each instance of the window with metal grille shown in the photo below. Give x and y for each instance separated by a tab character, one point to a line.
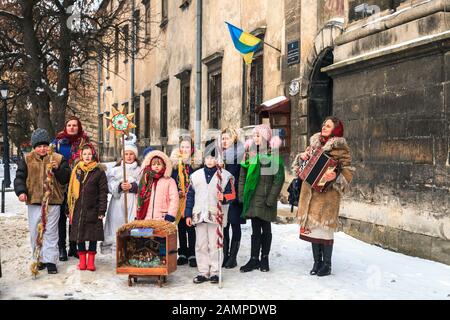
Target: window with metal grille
215	98
126	35
147	114
256	86
137	116
137	16
147	20
125	107
164	111
116	51
184	104
108	57
164	12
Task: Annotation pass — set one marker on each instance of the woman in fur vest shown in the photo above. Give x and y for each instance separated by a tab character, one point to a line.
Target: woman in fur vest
318	211
186	160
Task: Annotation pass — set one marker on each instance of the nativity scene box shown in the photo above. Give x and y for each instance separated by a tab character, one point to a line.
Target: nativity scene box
146	248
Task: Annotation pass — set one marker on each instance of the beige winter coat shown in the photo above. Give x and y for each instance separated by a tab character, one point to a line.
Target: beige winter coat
318	209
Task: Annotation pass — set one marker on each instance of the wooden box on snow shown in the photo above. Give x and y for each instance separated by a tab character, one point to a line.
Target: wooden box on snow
133	249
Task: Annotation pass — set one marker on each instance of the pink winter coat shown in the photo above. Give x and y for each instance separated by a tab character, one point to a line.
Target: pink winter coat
164	200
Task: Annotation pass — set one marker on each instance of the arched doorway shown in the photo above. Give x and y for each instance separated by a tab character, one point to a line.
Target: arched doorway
320	92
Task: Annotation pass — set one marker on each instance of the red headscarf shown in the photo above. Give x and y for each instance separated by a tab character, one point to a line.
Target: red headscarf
338	131
72	138
91	146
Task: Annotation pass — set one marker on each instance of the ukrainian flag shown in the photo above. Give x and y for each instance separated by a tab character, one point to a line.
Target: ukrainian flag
244	42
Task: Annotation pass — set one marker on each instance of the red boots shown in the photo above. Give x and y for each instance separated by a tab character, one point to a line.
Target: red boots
82	257
91	261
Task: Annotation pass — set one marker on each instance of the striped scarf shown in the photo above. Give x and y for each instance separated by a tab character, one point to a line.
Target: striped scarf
78	176
148	179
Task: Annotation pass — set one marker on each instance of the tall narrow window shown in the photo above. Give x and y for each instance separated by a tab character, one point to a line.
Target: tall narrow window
257	80
137	116
116	51
185	88
256	86
147	19
137	16
125	107
185	105
164	12
163	108
214	64
147	114
215	98
126	36
108	57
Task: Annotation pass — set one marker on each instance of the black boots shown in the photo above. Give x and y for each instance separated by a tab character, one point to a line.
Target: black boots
264	242
192	262
182	260
51	268
73	251
231	262
226	250
62	254
253	263
317	254
265	249
325	269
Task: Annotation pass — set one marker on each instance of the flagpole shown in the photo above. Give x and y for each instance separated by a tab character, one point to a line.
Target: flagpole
269	45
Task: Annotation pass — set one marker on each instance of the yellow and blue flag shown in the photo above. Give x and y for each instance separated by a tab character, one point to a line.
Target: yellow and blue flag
244	42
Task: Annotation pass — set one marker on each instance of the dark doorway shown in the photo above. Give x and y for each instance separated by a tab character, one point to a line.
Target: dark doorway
320	101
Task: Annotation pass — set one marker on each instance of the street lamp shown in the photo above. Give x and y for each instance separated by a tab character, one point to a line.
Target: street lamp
4	96
100	120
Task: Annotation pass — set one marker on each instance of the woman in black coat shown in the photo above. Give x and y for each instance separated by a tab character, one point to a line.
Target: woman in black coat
232	155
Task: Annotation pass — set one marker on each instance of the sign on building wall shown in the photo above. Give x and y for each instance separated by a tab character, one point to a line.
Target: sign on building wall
293	53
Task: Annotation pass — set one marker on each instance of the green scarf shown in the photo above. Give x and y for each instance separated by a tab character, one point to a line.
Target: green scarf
253	167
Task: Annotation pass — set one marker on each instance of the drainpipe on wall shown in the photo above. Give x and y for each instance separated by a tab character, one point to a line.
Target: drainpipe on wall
133	50
198	86
99	110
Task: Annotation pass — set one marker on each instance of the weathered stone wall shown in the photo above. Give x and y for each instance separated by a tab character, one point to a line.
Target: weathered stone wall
176	51
393	94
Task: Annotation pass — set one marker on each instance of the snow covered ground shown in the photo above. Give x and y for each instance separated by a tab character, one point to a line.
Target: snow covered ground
360	271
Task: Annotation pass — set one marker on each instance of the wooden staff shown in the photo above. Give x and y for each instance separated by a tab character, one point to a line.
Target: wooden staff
48	191
219	220
219	216
125	198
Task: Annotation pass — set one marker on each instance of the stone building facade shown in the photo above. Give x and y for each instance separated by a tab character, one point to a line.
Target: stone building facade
165	80
391	86
382	66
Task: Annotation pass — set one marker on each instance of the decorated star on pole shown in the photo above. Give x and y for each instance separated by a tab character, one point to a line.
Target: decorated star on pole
121	122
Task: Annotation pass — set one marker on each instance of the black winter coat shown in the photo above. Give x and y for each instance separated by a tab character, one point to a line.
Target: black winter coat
92	203
232	159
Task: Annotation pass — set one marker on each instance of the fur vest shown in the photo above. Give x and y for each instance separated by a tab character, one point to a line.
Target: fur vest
318	209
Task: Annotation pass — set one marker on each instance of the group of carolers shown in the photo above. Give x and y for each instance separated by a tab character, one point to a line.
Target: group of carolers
185	189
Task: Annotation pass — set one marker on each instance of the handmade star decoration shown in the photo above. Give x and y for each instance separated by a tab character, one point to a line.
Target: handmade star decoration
121	122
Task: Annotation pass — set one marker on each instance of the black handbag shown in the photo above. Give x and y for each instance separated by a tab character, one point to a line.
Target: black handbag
294	192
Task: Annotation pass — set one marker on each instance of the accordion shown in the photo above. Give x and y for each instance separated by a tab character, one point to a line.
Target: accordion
313	170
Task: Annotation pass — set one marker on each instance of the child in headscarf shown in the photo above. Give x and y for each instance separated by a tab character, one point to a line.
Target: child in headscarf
87	199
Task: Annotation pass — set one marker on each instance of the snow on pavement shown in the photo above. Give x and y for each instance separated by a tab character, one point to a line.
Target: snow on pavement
360	271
